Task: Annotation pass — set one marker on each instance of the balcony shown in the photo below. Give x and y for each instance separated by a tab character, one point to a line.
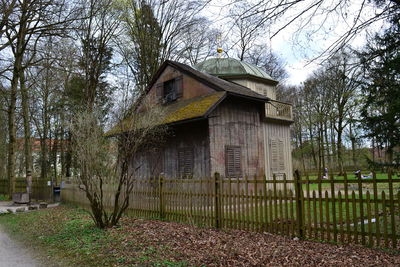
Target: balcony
278	110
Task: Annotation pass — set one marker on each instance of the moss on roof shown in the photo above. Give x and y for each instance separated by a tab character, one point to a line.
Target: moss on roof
180	110
192	108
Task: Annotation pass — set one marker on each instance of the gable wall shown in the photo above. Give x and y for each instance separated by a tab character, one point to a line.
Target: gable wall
261	88
237	123
191	87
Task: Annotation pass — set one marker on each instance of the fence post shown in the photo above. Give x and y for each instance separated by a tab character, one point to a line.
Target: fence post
361	199
392	211
160	196
217	200
299	204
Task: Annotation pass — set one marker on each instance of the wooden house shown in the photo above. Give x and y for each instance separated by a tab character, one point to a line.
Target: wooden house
223	117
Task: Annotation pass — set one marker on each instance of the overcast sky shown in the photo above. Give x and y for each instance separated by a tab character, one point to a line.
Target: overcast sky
298	49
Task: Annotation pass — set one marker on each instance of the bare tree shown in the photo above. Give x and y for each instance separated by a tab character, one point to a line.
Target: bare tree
154	32
199	41
246	30
27	24
302	14
104	175
267	60
342	79
7	8
95	32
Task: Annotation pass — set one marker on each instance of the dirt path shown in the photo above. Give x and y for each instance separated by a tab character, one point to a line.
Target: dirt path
12	254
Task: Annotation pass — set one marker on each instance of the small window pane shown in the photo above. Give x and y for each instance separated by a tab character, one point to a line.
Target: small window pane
170	91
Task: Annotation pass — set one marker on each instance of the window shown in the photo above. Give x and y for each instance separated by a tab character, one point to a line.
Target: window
233	158
185	162
277	155
170	90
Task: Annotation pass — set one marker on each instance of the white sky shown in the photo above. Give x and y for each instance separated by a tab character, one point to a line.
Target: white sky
299	49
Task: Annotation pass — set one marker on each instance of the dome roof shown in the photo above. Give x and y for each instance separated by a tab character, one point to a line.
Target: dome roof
223	67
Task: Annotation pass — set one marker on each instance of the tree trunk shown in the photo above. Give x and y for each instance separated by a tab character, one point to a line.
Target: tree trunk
314	156
18	52
3	145
340	151
26	122
44	142
12	133
68	156
301	149
327	144
353	146
12	128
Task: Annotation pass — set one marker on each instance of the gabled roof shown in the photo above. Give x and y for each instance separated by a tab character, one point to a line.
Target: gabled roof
178	112
214	82
186	110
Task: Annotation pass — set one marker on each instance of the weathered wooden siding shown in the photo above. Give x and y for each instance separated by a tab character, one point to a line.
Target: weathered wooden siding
237	123
191	87
281	132
194	135
261	88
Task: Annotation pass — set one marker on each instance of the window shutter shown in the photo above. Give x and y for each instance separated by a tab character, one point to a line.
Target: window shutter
281	157
185	162
277	155
229	161
233	164
159	92
274	155
179	86
181	159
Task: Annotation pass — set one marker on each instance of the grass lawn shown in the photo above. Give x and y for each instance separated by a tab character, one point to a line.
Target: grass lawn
69	236
352	181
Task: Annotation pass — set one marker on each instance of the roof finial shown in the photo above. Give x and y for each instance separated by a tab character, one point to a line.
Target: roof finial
219	49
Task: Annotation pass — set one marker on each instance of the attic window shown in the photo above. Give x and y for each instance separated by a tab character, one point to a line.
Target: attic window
170	90
185	162
233	158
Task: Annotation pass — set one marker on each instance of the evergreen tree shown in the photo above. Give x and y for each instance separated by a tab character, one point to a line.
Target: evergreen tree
381	107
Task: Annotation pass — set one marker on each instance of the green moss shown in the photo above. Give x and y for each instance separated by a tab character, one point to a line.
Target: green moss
194	109
178	111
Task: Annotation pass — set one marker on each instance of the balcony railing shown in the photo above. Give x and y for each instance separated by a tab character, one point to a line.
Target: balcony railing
278	110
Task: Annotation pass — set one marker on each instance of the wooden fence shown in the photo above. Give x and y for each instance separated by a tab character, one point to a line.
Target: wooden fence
40	189
345	211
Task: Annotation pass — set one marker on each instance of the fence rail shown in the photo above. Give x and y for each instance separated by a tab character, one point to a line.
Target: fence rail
355	212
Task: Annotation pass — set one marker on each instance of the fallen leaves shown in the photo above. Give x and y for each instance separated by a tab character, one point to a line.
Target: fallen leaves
208	247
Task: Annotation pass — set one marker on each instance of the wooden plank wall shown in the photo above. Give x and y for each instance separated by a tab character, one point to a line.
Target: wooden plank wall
193	135
237	123
261	88
278	131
